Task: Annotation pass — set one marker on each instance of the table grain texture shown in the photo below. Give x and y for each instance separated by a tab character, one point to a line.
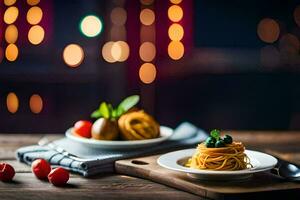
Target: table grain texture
114	186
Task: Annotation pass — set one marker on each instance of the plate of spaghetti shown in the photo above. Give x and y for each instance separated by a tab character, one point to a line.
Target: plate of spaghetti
218	159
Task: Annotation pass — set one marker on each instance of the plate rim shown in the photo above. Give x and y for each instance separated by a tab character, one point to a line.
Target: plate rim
212	172
106	143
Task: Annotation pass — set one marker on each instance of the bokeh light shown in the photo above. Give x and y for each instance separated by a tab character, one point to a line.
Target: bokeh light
147	17
12	102
107	53
118	16
176	1
11	34
11	52
268	30
9	2
147	51
11	14
176	32
36	103
175	13
146	2
147	73
175	50
120	51
36	34
91	26
34	15
297	15
73	55
33	2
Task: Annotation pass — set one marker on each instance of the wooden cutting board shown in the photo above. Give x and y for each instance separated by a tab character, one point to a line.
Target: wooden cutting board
260	185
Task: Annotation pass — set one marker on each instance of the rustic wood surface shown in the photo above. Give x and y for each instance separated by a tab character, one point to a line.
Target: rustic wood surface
113	186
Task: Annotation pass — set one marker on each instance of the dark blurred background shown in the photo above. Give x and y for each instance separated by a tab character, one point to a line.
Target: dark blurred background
218	64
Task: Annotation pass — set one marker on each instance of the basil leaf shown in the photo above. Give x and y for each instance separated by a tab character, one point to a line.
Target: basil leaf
96	114
215	134
128	103
104	110
119	111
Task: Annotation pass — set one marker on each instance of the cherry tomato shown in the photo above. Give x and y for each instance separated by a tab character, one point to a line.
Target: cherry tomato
41	168
58	176
83	128
7	172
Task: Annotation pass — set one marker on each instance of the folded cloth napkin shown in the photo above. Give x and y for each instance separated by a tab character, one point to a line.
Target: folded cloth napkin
90	161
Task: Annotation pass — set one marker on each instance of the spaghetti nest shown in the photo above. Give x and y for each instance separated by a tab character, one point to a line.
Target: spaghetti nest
138	125
230	157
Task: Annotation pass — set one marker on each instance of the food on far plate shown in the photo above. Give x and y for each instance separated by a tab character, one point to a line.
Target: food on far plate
58	176
105	129
219	154
124	122
7	172
82	128
41	168
138	125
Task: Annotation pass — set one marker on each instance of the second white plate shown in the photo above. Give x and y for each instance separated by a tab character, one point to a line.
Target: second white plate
165	133
176	160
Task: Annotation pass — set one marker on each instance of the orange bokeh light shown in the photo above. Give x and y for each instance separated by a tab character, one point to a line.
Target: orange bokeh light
36	34
34	15
11	34
33	2
9	2
73	55
11	52
118	16
147	51
147	73
268	30
36	103
176	32
12	102
147	17
11	14
176	50
175	13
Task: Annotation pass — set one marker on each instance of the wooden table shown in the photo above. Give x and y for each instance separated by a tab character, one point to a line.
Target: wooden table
114	186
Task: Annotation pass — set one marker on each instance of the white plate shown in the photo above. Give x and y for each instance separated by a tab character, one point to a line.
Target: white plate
165	133
176	160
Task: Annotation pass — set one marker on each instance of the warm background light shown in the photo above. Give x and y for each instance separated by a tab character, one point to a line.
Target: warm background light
73	55
289	43
34	15
11	52
33	2
269	56
11	14
9	2
176	32
147	16
91	26
147	73
268	30
36	34
11	34
120	51
118	33
118	16
12	102
175	50
175	13
175	1
36	103
106	52
147	51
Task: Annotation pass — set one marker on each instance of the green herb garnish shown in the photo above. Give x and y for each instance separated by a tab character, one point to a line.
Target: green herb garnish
108	112
215	140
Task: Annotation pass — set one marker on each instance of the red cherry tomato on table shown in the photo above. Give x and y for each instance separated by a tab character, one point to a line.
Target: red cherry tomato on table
7	172
58	176
83	128
41	168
